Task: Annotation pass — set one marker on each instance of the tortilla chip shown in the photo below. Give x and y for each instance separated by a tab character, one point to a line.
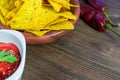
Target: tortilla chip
59	19
61	26
24	16
11	14
68	14
43	16
55	5
38	33
4	11
2	20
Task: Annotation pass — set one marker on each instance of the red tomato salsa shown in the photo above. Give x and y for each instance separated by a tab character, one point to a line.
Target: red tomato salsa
9	59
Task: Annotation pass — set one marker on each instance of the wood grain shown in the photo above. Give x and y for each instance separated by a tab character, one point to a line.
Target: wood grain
83	54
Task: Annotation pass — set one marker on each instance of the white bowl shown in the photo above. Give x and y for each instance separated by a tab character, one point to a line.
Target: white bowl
18	39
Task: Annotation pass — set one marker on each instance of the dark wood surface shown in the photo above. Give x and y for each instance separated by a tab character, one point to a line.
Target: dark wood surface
83	54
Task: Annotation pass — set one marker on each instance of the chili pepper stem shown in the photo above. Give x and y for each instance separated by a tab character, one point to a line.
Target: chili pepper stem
109	27
118	24
105	12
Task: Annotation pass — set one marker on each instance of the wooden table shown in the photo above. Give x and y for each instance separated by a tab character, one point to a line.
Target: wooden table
83	54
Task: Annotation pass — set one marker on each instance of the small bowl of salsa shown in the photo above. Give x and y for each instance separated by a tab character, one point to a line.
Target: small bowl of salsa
12	54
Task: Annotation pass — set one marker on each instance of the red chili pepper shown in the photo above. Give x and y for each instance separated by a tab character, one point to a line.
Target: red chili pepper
100	6
95	19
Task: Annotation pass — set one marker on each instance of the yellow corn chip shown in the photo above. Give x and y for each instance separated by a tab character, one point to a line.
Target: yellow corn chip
64	3
10	5
43	16
4	11
23	18
68	1
55	5
3	2
18	3
2	20
38	33
60	26
59	19
11	13
68	14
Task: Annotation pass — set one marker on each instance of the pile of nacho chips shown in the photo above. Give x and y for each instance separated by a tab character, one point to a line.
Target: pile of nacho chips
36	16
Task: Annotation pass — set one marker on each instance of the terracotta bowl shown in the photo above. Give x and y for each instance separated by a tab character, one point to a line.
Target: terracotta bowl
53	35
